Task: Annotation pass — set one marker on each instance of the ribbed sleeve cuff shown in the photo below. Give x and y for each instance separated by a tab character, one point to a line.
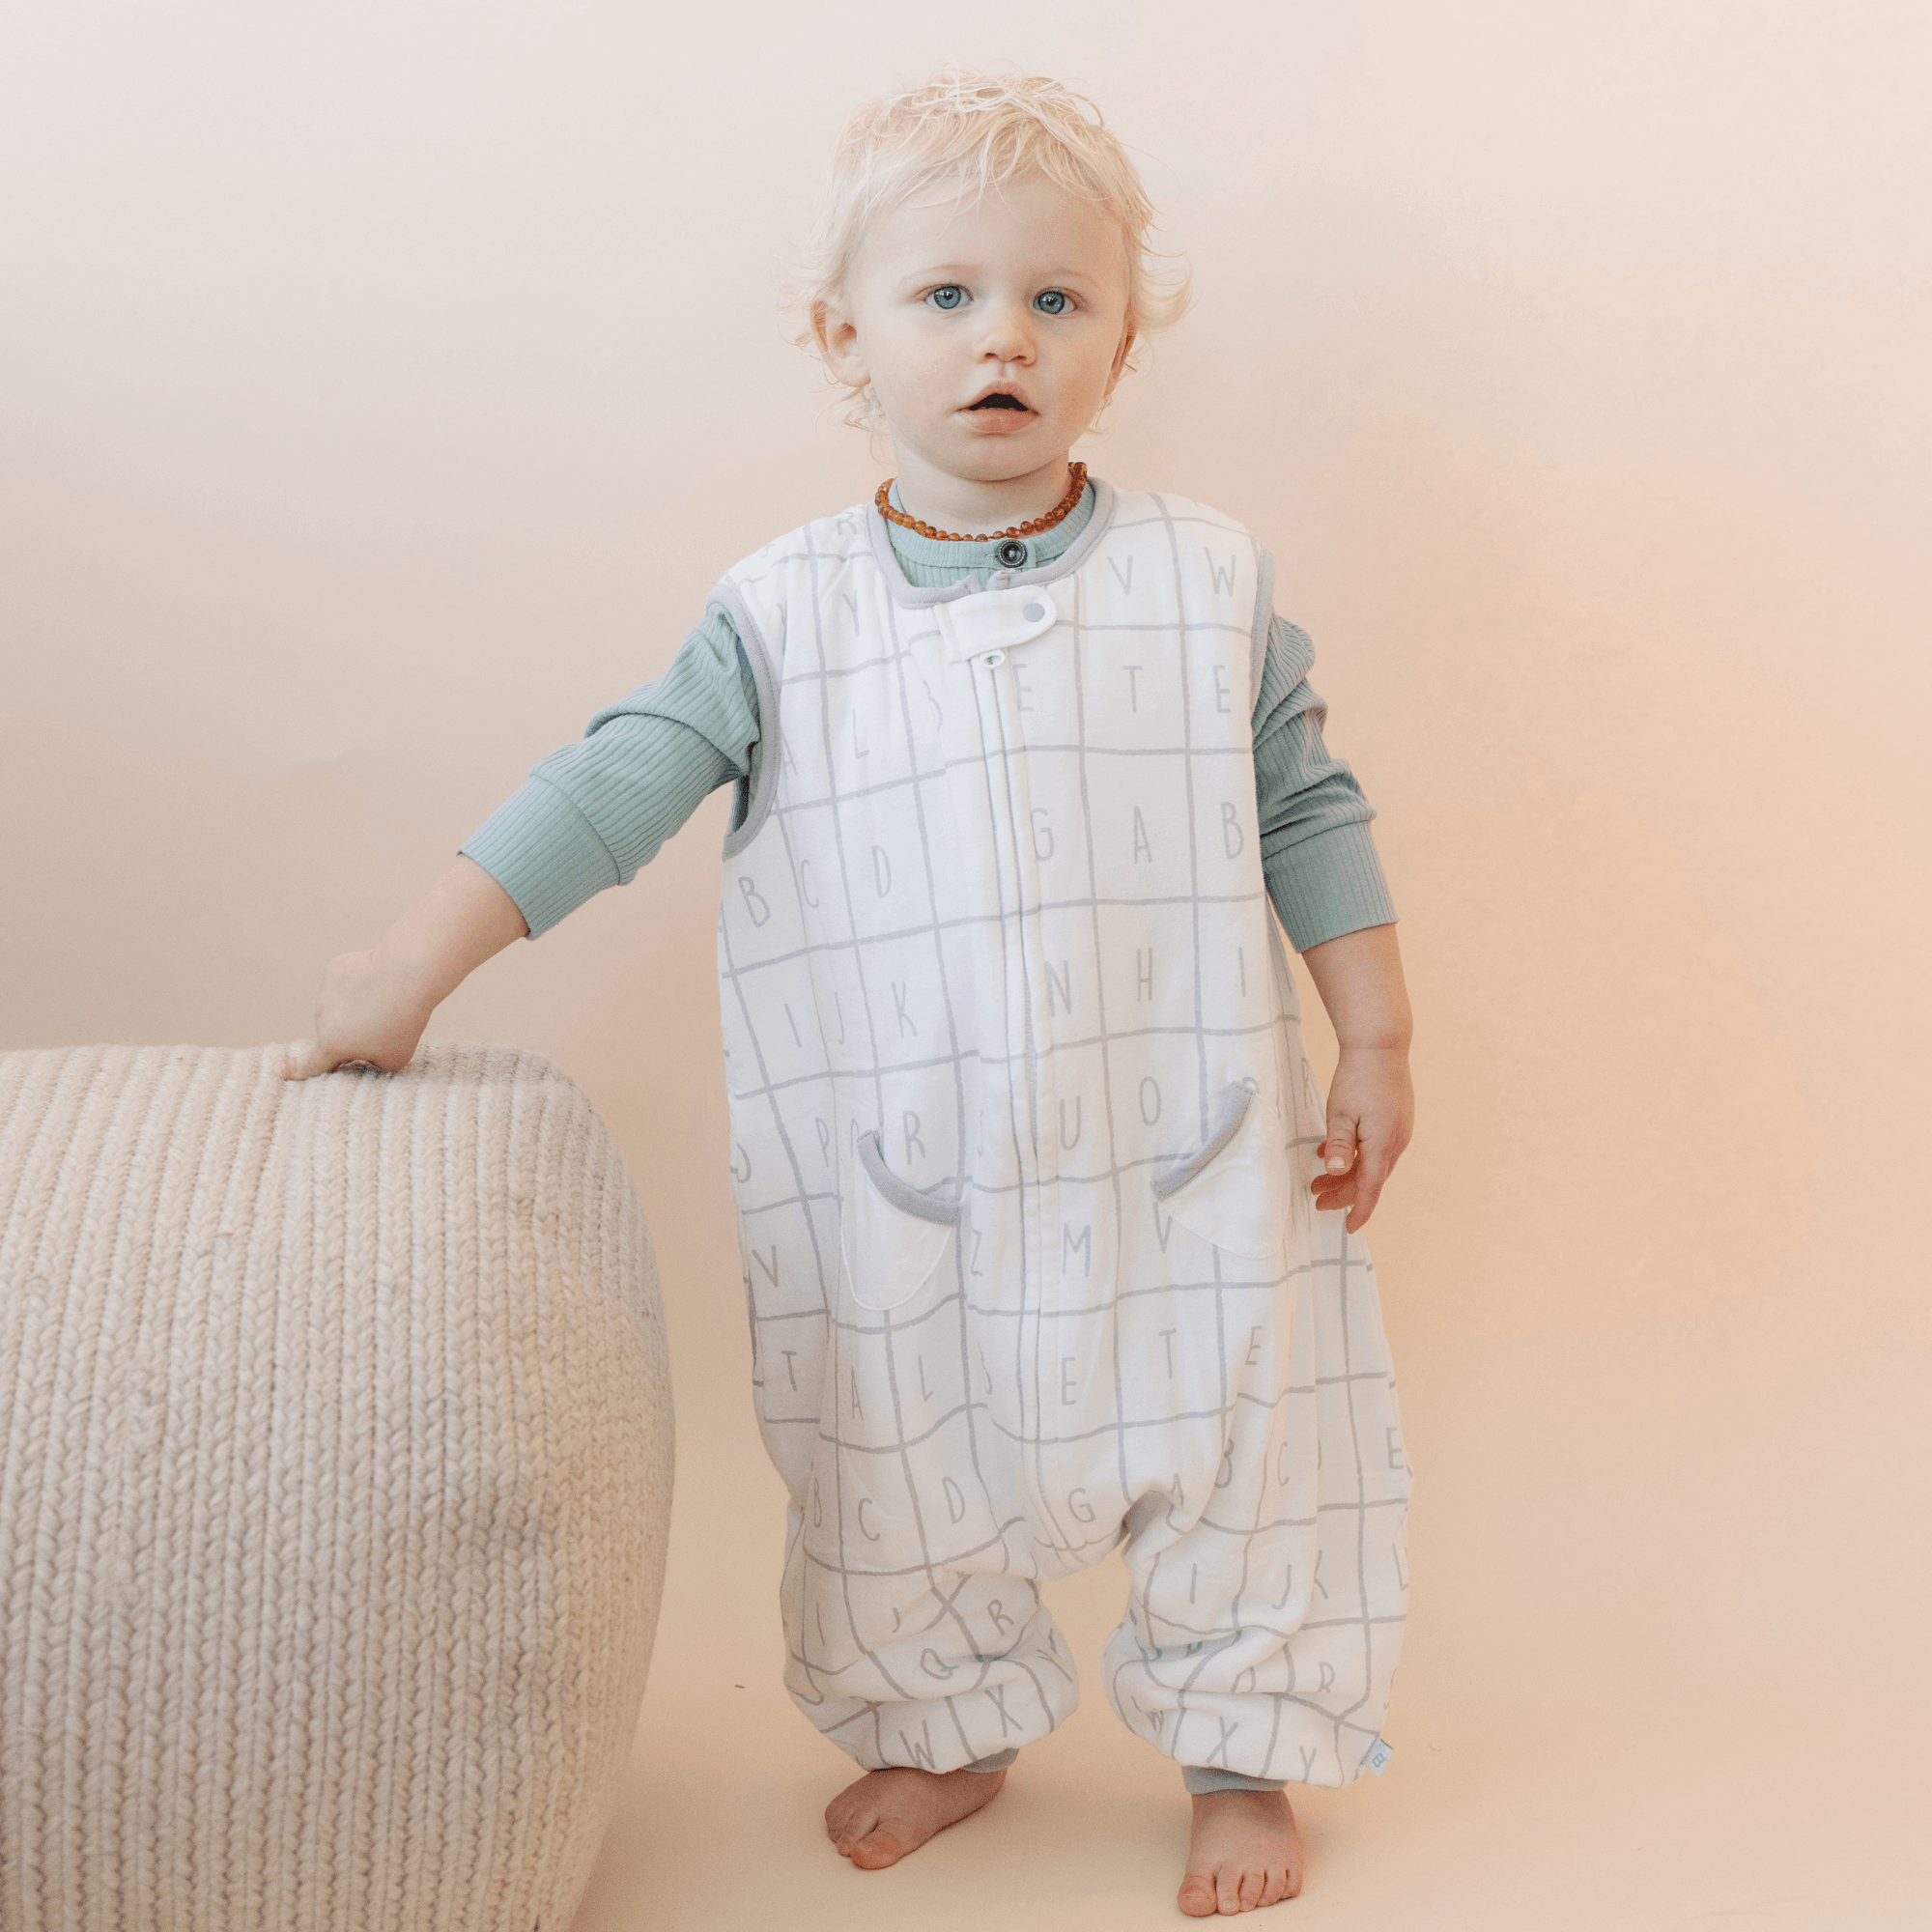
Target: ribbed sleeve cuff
1328	885
542	852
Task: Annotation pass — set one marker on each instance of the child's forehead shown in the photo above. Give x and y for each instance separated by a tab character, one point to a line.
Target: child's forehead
1023	216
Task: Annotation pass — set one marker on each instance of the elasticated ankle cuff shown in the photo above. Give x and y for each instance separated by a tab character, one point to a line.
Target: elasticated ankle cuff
1200	1780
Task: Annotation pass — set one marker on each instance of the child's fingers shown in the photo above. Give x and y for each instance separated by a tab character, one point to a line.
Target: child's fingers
1368	1191
1338	1152
1359	1189
1334	1190
1377	1163
1329	1204
303	1063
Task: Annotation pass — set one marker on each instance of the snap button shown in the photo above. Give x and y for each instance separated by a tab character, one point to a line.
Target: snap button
994	658
979	622
1012	554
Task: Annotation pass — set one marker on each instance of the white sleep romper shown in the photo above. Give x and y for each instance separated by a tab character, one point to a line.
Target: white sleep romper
1022	1137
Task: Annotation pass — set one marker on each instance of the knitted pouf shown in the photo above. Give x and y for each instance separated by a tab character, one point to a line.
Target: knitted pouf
335	1464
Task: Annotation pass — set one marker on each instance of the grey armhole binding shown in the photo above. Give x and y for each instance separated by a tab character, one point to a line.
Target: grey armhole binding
1258	643
727	599
910	1198
1236	1100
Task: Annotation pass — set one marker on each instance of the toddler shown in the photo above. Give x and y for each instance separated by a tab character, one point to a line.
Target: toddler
1050	1245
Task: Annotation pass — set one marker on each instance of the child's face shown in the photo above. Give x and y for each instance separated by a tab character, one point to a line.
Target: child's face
1020	293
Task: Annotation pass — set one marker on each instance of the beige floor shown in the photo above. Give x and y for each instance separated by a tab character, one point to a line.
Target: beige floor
1606	1813
1541	1839
1662	1666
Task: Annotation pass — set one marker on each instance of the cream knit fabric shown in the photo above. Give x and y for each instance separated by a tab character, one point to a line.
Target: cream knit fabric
336	1463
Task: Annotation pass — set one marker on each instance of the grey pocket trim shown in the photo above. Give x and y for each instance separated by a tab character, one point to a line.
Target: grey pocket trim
1236	1100
910	1198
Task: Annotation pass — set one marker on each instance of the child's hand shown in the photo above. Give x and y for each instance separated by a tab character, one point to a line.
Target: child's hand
1371	1104
362	1012
374	1006
1371	1115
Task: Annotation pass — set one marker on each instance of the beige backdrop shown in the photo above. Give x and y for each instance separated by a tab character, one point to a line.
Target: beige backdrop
382	388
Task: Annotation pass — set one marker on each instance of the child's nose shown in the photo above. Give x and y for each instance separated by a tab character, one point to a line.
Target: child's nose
1008	335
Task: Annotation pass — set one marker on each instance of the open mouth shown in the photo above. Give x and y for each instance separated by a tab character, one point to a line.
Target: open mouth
998	400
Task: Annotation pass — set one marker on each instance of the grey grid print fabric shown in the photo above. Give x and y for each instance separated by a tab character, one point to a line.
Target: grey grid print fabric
335	1464
1022	1130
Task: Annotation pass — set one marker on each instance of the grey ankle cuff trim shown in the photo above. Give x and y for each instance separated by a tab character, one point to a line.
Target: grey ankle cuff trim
999	1760
1200	1780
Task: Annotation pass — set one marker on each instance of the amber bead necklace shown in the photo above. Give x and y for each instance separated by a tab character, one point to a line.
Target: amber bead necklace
1076	470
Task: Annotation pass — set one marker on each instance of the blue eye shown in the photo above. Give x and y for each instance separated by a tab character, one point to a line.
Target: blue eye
950	296
1052	301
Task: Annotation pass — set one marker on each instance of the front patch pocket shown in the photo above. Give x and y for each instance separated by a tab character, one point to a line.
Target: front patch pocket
892	1235
1235	1189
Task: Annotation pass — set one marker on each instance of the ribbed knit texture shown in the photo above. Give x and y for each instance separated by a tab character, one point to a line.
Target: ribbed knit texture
595	811
934	562
336	1460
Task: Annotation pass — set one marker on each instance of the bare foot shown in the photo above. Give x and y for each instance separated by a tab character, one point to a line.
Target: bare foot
1245	1851
887	1813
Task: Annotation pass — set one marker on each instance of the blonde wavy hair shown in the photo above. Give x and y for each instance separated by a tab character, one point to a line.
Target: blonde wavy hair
967	131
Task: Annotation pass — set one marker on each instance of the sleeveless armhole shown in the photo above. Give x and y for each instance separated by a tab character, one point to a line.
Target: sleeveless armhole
1257	641
764	676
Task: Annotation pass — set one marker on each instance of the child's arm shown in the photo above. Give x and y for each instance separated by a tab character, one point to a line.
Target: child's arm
374	1006
592	814
1371	1102
1326	884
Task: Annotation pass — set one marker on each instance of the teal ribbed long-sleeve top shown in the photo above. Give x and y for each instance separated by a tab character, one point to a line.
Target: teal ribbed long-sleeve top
594	811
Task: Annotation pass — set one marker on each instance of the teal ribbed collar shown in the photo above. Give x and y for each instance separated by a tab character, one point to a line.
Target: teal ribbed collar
964	559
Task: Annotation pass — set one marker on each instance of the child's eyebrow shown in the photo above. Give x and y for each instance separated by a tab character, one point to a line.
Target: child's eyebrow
970	272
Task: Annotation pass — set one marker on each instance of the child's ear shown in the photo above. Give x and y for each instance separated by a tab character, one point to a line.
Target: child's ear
1121	354
837	339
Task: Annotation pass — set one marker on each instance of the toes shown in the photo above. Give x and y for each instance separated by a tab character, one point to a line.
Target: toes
853	1812
877	1850
1227	1890
851	1827
1197	1896
853	1833
1253	1883
1277	1886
